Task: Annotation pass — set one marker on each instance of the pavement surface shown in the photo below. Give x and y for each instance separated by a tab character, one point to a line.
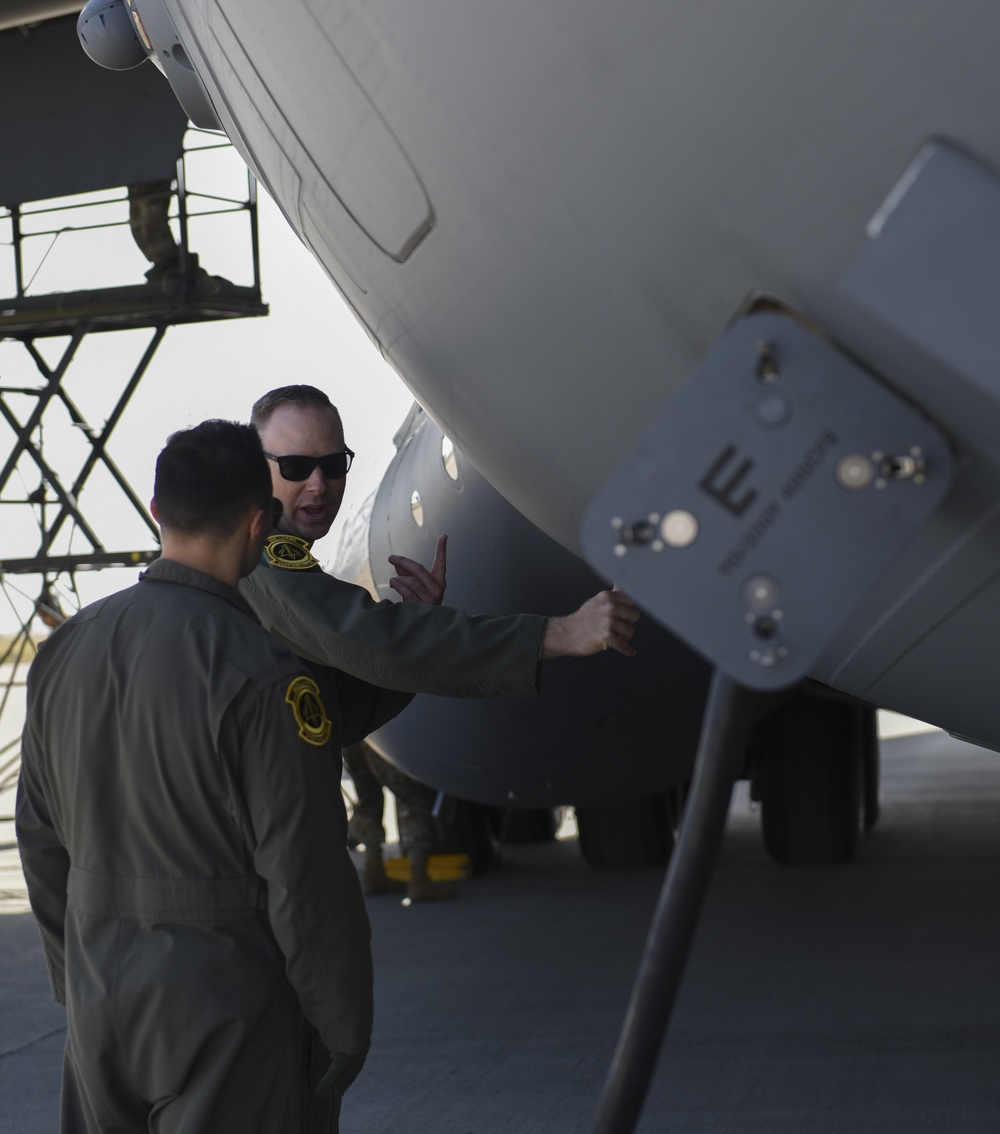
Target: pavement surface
848	999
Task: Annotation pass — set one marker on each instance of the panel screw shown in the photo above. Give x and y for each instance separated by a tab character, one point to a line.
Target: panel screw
767	362
641	532
902	468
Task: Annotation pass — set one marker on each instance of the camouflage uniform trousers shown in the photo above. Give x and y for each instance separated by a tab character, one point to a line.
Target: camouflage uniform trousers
414	801
149	208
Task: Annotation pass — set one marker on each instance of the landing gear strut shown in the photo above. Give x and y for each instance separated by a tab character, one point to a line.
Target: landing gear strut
726	723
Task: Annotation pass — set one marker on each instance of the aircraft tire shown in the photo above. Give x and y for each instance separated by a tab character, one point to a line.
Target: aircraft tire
530	824
812	793
472	829
626	835
872	765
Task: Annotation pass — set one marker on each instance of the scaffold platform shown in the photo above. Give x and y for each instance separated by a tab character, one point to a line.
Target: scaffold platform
125	308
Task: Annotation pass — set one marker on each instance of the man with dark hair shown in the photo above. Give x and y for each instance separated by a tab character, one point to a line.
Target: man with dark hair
183	834
207	478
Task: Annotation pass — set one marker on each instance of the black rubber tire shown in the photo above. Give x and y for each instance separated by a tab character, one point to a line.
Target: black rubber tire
811	781
472	829
872	765
627	835
530	824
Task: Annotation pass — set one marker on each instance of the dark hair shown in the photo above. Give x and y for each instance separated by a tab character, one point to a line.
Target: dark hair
208	477
289	396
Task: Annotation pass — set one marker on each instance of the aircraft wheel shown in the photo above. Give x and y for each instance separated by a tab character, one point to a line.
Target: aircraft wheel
813	756
530	824
872	765
472	829
626	835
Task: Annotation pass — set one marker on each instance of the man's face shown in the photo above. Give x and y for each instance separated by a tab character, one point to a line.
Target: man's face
309	506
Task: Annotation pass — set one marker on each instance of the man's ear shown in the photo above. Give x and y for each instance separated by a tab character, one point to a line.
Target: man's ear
152	508
259	523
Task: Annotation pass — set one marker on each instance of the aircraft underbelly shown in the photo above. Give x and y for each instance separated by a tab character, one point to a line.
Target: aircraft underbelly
546	215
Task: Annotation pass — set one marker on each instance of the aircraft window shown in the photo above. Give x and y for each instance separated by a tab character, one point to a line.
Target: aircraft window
449	458
417	508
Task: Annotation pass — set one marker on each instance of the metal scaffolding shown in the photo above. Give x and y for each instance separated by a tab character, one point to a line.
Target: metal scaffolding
52	530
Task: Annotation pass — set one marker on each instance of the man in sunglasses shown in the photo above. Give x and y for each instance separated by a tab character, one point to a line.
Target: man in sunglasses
415	646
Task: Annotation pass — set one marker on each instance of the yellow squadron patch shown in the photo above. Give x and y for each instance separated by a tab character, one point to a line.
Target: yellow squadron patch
290	552
309	711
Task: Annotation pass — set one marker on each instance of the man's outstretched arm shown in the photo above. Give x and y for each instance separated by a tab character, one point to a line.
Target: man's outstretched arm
420	647
607	621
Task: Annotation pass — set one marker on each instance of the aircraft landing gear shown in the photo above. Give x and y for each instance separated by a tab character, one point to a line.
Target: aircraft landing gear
627	835
818	780
720	758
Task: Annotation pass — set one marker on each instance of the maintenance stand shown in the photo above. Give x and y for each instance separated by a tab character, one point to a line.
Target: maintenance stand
91	160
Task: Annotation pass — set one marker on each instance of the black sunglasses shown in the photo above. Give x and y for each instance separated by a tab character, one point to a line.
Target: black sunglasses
333	466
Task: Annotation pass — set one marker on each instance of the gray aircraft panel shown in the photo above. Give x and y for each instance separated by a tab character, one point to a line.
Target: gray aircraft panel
768	499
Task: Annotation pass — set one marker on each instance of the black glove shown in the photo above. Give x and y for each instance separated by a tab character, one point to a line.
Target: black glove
342	1072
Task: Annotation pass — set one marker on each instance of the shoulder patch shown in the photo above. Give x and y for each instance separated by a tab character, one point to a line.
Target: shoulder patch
309	711
290	552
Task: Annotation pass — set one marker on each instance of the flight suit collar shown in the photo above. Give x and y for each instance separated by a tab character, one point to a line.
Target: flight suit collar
167	571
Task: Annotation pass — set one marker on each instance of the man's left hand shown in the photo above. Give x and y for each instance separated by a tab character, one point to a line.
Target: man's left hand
343	1070
415	583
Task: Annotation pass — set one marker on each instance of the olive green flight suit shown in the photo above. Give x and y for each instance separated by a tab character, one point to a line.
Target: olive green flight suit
183	838
408	646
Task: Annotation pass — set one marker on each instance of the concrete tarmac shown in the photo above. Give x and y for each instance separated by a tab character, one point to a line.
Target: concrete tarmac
848	999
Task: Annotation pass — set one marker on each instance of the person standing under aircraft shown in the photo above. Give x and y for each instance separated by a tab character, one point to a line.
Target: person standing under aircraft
184	838
414	804
417	645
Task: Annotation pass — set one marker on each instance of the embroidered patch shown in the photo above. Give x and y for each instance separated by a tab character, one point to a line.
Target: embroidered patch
290	552
309	711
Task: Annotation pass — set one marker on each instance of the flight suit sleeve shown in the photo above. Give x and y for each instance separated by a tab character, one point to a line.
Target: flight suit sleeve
406	646
45	862
364	707
288	760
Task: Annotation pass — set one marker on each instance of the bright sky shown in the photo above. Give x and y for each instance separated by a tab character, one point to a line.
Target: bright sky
214	369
